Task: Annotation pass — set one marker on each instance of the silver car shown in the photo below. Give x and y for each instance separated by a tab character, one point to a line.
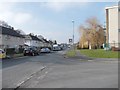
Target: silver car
45	50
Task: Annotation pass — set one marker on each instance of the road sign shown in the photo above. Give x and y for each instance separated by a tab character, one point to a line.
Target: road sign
70	40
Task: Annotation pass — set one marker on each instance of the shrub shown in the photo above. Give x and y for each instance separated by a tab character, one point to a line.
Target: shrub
10	51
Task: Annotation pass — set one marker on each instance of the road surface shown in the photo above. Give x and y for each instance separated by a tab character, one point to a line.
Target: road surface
54	71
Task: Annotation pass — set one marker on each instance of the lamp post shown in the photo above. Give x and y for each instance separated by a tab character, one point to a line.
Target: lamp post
73	33
73	30
105	31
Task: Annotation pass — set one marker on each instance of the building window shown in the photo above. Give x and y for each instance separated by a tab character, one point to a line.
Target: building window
118	30
7	37
119	9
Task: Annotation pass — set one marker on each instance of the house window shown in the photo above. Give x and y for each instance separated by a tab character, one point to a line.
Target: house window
18	38
119	9
118	30
7	37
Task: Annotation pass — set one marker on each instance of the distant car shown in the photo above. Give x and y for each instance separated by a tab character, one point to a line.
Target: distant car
2	54
69	46
56	48
45	50
31	51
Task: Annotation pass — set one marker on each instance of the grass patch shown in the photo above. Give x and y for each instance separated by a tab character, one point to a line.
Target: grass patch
18	55
71	53
100	53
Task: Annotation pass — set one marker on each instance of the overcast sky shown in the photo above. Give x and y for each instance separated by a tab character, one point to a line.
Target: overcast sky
53	20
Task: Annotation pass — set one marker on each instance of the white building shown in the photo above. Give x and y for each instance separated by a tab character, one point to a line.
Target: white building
43	41
46	43
113	26
9	38
32	40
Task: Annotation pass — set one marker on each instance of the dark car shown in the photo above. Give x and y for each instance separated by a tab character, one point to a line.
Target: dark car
31	51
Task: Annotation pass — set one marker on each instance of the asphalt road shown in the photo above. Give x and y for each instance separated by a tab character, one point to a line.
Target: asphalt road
54	71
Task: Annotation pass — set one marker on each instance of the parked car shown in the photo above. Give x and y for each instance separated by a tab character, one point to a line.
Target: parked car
56	48
69	46
31	51
2	54
45	50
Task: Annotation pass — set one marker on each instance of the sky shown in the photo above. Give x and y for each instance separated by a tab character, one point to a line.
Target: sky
52	20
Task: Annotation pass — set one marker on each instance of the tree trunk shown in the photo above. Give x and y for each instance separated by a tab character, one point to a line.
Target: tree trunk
90	47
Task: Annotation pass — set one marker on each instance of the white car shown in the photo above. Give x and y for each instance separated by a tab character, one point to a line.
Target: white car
45	50
56	48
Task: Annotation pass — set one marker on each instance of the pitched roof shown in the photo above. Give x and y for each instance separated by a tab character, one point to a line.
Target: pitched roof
9	31
34	37
112	7
46	41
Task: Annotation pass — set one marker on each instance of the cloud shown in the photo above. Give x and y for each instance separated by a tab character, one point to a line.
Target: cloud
5	8
9	15
17	18
59	6
6	16
21	18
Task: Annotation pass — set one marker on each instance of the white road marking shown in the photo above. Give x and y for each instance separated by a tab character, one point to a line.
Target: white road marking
90	60
19	84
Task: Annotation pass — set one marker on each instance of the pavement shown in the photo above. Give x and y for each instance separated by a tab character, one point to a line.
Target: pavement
54	71
14	56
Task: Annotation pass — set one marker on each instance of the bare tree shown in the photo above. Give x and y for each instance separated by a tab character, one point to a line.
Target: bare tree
92	34
5	24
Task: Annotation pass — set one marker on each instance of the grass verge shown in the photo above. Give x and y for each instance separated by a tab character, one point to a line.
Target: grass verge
17	55
100	53
70	53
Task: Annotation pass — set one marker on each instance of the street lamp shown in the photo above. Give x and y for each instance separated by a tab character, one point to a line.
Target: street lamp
73	33
73	30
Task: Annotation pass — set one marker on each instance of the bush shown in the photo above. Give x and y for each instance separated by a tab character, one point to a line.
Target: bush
10	51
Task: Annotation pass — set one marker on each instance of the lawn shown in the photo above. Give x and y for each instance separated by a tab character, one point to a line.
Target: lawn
100	53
